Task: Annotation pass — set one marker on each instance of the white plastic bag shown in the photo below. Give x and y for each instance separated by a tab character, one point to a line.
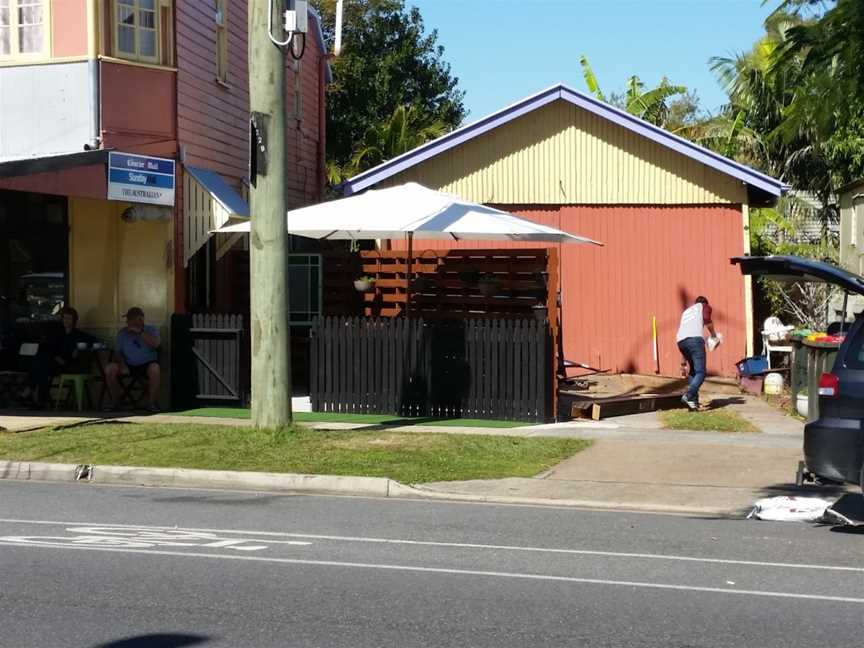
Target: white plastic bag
714	342
789	509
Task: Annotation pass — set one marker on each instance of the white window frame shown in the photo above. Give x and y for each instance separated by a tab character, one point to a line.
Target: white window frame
137	10
14	39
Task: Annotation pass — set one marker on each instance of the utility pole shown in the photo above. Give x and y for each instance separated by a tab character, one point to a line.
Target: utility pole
268	241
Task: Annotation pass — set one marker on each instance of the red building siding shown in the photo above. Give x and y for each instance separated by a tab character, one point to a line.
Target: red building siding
138	106
213	118
655	261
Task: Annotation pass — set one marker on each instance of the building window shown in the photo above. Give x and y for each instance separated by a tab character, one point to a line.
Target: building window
222	40
23	28
141	32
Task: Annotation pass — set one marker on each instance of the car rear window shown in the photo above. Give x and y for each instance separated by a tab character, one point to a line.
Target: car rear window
854	356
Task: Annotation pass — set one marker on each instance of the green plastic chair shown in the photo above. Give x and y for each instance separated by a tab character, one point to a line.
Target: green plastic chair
80	383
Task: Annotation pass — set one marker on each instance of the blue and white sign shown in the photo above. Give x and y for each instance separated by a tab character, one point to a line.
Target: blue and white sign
140	179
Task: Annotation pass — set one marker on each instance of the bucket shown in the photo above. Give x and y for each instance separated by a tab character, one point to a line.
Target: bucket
802	405
773	384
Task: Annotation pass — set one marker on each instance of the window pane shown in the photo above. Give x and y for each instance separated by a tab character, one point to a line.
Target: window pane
148	19
147	43
4	14
126	39
29	14
5	41
147	4
30	39
126	15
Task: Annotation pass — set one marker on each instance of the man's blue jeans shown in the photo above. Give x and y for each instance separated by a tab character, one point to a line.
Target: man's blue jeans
693	350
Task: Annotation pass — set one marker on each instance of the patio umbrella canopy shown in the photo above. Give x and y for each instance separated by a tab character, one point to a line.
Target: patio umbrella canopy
413	211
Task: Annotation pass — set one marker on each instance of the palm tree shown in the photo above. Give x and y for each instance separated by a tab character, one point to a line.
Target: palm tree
651	105
406	129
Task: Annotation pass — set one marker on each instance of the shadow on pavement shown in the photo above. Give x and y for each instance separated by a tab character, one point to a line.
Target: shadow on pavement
719	403
156	641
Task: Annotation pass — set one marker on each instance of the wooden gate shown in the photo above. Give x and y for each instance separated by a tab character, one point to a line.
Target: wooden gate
475	368
209	360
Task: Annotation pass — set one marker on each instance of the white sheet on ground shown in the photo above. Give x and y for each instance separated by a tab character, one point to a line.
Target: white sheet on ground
790	509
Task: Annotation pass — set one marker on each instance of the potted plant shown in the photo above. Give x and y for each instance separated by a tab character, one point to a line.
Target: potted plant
488	285
364	283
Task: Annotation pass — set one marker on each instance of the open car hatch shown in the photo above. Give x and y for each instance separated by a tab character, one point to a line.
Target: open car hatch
792	268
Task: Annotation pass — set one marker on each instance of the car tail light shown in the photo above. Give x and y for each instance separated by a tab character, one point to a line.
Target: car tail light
829	385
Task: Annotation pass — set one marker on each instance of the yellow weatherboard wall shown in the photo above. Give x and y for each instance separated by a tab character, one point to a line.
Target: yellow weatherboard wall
114	265
563	154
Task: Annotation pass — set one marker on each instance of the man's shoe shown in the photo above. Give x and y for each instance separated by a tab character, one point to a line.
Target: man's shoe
692	405
152	408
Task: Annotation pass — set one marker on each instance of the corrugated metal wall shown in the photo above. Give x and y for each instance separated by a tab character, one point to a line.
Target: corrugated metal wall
655	261
562	154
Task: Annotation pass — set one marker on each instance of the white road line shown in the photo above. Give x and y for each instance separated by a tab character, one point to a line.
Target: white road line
464	572
461	545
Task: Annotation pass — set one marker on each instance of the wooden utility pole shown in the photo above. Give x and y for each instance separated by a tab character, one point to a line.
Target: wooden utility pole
268	241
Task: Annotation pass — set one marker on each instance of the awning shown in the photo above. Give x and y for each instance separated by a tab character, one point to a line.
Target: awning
44	164
208	204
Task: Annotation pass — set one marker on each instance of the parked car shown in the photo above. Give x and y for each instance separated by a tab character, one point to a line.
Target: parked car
833	443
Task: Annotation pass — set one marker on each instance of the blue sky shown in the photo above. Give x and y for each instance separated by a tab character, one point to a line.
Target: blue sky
503	50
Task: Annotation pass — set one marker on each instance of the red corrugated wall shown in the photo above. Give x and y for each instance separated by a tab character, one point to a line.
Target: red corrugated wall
655	261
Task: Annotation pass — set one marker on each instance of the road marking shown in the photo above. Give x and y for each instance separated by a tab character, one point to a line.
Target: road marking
460	572
458	545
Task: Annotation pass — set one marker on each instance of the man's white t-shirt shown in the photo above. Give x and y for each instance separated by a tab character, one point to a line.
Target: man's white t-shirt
692	323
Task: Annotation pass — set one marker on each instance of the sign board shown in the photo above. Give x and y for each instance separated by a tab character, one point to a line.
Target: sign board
141	179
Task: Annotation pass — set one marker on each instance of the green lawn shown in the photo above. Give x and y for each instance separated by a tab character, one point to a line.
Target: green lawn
404	456
706	421
372	419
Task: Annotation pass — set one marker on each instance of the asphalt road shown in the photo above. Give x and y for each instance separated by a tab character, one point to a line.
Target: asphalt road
86	566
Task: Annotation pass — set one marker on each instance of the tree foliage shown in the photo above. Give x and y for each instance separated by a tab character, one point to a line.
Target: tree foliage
654	105
387	61
406	129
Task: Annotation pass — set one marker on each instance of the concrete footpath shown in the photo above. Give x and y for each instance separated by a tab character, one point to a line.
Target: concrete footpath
633	465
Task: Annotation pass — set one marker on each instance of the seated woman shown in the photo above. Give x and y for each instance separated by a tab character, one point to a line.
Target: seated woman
58	355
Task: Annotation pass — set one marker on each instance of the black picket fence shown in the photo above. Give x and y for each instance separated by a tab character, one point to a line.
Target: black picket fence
484	369
209	360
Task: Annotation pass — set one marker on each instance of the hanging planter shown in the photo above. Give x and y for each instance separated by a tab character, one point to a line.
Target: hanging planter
364	284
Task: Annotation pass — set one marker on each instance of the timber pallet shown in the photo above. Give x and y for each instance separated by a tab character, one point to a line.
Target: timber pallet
601	408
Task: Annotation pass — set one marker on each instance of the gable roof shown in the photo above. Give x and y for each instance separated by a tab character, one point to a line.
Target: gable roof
765	186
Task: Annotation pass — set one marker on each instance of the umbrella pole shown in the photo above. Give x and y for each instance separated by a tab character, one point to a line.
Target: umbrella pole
408	274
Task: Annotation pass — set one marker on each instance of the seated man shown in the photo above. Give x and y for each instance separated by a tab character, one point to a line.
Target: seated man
58	355
136	354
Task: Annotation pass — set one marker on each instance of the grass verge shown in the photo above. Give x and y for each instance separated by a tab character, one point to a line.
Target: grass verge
706	421
404	456
372	419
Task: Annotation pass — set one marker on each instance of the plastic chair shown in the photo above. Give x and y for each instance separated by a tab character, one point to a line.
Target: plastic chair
80	383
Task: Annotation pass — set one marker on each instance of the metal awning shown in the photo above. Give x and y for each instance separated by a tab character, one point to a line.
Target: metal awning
208	204
47	163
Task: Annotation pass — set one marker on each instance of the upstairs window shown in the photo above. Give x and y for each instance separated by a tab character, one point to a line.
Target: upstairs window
23	28
137	26
222	40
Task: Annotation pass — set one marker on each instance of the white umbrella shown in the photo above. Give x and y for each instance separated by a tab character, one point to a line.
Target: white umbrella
412	210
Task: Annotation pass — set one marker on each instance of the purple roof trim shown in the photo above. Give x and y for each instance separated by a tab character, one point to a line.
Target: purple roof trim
724	165
319	38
